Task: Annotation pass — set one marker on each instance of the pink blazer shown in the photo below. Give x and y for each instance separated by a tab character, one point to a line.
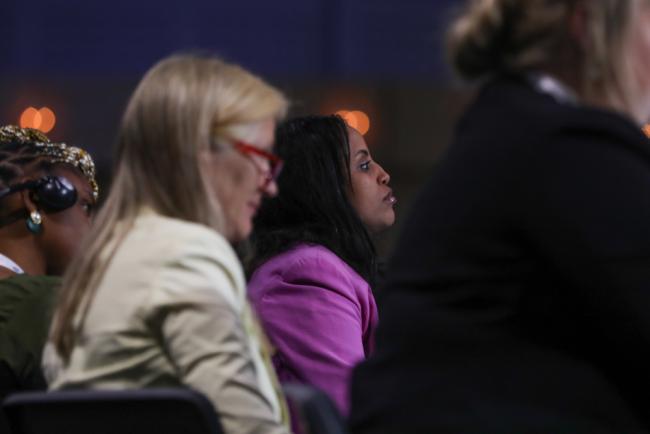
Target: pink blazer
319	314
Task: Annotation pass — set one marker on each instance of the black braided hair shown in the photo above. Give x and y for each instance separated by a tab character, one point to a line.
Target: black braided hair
19	151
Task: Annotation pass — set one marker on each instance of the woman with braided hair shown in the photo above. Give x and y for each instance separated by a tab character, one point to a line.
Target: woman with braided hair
47	196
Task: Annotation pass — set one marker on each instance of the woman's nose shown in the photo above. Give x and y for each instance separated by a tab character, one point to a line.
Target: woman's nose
269	186
384	177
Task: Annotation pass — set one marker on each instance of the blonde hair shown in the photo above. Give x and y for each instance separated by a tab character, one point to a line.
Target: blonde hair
493	36
184	105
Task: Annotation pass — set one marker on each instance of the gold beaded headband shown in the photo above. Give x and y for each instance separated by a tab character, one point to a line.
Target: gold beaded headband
56	152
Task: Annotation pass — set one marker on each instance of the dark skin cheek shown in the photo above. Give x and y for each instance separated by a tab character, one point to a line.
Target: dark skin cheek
62	233
63	230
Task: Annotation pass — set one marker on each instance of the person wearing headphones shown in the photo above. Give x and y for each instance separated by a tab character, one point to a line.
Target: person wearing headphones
47	196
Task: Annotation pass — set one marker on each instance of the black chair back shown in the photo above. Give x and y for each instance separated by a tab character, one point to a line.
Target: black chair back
145	411
316	412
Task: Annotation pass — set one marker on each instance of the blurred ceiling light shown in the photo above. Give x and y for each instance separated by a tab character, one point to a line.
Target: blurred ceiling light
363	121
48	120
28	118
356	119
43	119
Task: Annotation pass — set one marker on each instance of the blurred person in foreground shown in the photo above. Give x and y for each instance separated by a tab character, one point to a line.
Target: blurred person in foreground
519	291
315	258
48	194
158	297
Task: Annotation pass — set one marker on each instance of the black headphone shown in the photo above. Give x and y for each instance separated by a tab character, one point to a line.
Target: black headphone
54	193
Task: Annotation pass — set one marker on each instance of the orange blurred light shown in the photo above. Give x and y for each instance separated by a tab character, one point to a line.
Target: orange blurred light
43	119
646	130
363	122
38	120
345	114
27	118
48	120
356	119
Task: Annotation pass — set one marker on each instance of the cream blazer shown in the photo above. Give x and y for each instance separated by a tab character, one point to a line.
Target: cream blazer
172	310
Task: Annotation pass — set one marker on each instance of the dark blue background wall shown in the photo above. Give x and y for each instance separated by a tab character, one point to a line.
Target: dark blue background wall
380	39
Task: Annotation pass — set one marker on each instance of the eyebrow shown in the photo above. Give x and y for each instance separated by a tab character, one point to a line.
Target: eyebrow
362	152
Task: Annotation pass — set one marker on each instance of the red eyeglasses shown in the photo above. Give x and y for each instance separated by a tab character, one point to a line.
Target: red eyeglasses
275	162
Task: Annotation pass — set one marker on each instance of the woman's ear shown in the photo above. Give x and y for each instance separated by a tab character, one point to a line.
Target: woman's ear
34	220
28	201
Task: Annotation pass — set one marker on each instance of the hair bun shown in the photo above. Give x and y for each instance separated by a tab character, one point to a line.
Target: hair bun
478	39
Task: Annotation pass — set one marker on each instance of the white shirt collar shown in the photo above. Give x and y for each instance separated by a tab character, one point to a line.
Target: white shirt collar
550	85
5	262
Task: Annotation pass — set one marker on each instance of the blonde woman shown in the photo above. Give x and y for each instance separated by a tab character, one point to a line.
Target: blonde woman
519	292
158	297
